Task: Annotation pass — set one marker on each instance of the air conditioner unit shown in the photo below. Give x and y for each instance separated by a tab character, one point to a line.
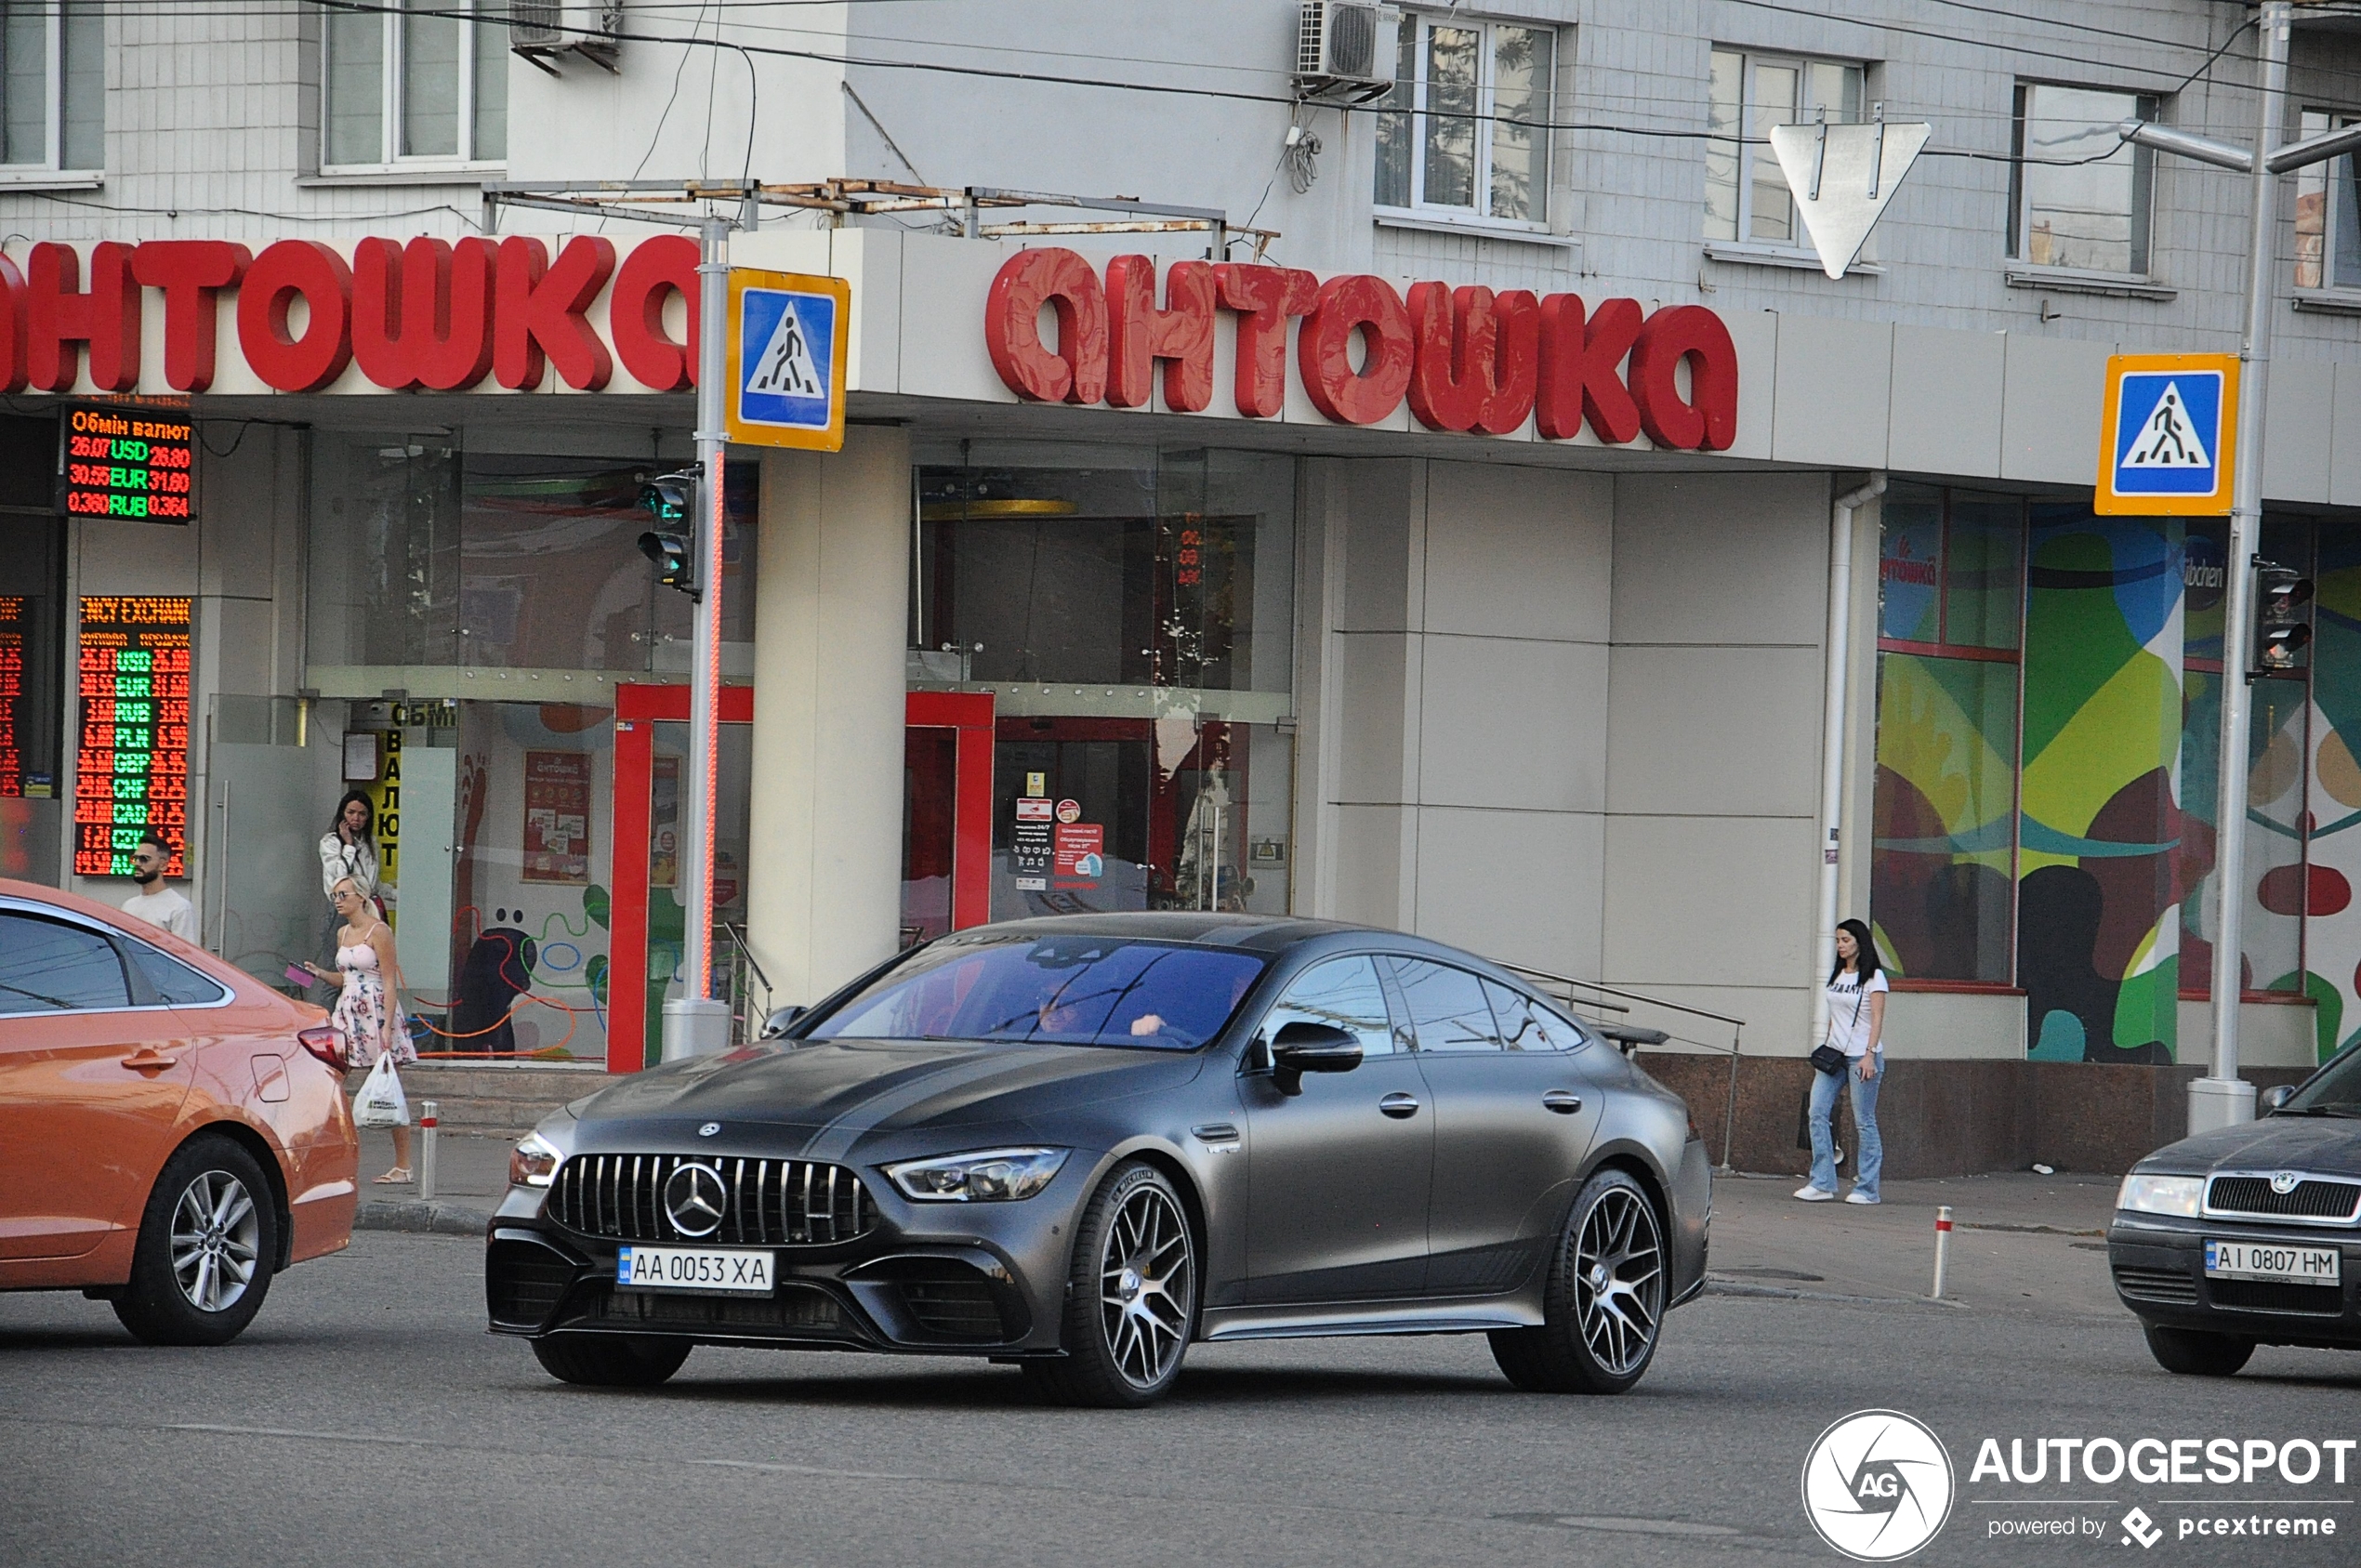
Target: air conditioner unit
539	30
536	24
1346	46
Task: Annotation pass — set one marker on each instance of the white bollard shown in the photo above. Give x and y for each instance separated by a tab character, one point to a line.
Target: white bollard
426	1152
1942	1249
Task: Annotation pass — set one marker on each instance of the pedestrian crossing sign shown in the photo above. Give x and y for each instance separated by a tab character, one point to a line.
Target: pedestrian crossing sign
787	358
2168	434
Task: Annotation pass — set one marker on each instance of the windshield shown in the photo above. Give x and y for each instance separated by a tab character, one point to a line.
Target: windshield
1066	990
2336	1092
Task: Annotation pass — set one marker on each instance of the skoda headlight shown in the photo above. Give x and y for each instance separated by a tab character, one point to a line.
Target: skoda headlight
2161	1195
534	1162
987	1176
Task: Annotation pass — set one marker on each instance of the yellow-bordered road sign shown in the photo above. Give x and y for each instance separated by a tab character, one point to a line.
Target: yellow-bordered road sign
787	358
2168	435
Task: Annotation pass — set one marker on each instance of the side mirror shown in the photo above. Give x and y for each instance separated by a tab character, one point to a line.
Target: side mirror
775	1027
1304	1046
2276	1096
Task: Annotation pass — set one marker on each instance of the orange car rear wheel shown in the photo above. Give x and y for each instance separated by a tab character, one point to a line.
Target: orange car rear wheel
207	1244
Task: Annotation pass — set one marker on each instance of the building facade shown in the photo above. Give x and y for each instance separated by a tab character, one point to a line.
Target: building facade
1277	567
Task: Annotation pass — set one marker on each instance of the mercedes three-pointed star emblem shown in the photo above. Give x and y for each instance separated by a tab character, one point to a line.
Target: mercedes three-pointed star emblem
695	1198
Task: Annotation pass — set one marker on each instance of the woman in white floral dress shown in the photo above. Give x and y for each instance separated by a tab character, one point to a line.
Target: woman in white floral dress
366	1017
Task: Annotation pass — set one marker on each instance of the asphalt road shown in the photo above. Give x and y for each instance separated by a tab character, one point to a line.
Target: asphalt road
366	1418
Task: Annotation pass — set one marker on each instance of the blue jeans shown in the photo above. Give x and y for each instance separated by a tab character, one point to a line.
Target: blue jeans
1865	1116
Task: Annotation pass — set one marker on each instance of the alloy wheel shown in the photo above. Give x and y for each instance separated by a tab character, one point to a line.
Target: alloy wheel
1618	1281
1147	1284
216	1235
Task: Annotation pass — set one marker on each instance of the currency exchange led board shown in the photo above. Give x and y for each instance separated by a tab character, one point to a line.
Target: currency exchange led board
129	463
132	771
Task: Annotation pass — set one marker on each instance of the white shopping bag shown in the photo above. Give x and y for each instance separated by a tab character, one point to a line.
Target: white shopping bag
381	1102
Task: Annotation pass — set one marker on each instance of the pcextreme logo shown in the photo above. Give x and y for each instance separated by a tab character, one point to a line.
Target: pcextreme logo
1878	1486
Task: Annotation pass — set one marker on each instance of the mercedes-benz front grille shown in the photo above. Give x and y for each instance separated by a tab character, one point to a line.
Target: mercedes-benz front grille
768	1202
2319	1199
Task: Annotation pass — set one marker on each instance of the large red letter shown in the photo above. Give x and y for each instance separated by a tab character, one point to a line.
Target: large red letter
1358	304
1180	335
274	352
650	276
1058	278
422	313
12	327
1476	363
1582	369
191	272
540	317
58	315
1709	420
1263	297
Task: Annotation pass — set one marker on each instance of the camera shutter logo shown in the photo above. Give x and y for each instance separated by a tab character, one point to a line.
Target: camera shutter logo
694	1199
1878	1486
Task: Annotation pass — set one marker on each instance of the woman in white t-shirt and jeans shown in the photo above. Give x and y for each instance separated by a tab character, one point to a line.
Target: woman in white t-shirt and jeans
1857	1025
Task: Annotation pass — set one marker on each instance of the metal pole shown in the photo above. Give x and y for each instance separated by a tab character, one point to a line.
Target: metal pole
1942	1250
2222	1098
704	691
429	1121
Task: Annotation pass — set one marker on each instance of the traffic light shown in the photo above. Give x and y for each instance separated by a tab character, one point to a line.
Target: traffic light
2282	619
672	500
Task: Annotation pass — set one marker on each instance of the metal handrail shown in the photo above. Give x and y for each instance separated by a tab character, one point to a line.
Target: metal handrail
1737	1028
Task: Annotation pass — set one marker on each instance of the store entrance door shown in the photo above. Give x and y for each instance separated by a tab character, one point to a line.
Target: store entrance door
946	849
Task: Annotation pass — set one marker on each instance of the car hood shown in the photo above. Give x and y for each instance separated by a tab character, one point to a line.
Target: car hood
2331	1145
856	1086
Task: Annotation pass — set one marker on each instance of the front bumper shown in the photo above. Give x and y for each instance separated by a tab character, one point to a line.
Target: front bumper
2158	1265
974	1279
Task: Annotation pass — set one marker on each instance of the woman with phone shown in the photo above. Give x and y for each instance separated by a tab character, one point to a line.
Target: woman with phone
366	1017
1857	991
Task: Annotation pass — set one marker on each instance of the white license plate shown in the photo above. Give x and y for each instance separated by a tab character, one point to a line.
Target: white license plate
2263	1261
711	1270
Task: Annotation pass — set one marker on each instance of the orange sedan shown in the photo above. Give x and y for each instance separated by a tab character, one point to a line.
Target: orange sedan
172	1132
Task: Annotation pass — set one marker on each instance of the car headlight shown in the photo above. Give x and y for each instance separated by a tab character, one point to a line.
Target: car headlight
534	1162
2161	1195
987	1176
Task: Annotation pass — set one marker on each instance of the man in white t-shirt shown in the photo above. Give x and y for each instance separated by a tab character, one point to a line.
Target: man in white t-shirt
154	902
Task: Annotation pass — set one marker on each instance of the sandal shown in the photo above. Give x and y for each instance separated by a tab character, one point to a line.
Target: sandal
398	1177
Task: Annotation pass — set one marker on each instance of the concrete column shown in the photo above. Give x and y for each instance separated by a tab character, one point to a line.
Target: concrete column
823	895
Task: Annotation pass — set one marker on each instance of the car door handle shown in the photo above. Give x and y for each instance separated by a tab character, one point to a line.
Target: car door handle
1399	1106
147	1059
1566	1102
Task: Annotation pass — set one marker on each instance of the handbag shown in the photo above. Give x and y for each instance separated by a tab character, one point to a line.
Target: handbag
1825	1056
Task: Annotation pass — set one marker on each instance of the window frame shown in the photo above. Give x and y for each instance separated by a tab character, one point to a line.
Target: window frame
1745	151
1417	211
52	168
137	994
392	77
2321	175
2145	106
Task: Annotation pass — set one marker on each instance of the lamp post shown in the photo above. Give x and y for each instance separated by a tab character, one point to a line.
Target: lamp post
2222	1098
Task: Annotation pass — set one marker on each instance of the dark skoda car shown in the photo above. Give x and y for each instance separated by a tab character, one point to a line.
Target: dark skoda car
2248	1235
1081	1144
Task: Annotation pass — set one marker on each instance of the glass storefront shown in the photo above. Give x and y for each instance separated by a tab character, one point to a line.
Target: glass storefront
1130	610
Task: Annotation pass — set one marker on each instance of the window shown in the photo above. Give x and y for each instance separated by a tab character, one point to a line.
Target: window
46	966
1461	130
1343	992
2328	214
2079	192
53	85
1746	194
174	981
1943	862
415	82
1447	1008
1526	1025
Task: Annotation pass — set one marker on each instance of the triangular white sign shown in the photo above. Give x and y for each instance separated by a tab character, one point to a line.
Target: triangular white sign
2166	440
785	369
1842	176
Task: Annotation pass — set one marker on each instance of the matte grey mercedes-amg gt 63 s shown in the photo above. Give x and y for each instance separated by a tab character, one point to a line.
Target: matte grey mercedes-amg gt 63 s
1080	1144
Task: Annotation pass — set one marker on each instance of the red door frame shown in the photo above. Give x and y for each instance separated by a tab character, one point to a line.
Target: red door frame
638	708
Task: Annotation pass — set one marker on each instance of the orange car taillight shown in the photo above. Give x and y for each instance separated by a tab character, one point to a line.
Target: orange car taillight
324	1043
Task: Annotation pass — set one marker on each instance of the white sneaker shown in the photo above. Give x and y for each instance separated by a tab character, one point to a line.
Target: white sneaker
1858	1196
1812	1195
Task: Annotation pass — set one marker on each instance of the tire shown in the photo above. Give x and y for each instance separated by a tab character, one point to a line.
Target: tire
1604	1302
2194	1353
1131	1299
208	1244
610	1360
